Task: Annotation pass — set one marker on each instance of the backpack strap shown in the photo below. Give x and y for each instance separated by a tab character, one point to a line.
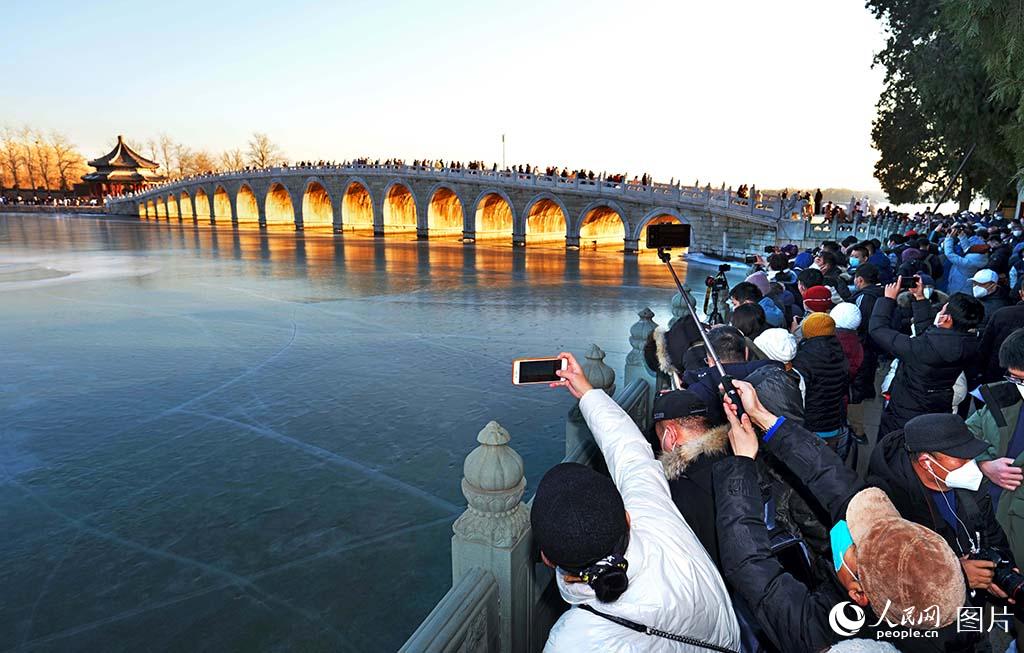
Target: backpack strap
993	406
654	632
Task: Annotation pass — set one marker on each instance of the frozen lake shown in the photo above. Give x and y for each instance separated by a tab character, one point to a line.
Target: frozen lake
213	439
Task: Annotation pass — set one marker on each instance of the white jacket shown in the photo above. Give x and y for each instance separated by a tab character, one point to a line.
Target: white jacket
673	585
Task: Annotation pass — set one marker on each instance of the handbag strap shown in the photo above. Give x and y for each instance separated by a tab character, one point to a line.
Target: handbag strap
647	630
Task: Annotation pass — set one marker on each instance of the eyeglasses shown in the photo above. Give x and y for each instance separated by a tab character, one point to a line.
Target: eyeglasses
1014	380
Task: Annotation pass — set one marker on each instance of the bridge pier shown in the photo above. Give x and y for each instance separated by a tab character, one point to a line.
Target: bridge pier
422	234
632	245
572	241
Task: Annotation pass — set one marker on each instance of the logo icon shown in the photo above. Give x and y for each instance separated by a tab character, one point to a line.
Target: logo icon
841	623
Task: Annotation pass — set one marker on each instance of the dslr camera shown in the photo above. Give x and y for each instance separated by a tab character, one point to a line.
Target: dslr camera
1005	577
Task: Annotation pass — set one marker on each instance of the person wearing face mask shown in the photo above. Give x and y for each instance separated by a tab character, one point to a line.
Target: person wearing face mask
929	472
881	561
932	361
986	288
924	292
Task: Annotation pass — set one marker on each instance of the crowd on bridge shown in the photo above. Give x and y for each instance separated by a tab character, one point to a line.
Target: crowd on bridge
17	199
794	524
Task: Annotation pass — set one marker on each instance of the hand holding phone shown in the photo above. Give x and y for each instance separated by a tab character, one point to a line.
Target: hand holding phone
530	371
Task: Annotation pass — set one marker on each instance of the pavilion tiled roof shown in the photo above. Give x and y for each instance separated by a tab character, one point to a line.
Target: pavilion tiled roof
123	156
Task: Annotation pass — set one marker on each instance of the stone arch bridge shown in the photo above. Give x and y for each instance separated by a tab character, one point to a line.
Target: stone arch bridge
471	205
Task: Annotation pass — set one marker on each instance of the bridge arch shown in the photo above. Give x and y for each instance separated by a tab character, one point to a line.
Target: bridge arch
277	205
185	204
221	204
161	208
172	207
246	206
317	204
658	215
602	222
357	205
446	214
545	219
493	215
399	207
202	200
142	210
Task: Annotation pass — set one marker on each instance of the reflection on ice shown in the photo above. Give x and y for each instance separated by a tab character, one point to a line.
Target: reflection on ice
225	439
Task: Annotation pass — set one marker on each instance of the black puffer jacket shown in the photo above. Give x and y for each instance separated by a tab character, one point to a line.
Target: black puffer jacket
795	617
998	329
929	364
863	387
992	302
826	373
779	390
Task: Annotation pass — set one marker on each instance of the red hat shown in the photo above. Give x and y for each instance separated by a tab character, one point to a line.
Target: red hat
910	232
818	299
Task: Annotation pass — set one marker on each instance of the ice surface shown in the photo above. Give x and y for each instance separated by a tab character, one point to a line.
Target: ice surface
214	439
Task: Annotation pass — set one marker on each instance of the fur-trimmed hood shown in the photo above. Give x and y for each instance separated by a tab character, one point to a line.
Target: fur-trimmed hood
660	338
675	462
938	298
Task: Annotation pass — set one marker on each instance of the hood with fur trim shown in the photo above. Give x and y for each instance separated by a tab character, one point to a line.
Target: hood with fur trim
713	441
938	298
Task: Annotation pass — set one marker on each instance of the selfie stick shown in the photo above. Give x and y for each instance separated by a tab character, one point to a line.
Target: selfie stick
730	389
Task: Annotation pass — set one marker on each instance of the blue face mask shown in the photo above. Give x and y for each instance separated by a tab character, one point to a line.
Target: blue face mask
841	541
854	262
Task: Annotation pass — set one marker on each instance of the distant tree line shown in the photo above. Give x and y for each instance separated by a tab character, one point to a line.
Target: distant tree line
36	160
179	160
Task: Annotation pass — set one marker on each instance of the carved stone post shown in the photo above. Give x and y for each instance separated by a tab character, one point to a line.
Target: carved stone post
601	377
493	533
636	367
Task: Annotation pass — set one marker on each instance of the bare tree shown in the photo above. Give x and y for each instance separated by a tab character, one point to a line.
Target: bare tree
232	159
202	161
10	150
263	152
25	145
44	159
167	150
151	146
68	162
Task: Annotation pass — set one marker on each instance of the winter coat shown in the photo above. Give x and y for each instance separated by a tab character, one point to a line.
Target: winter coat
834	279
795	617
854	351
780	390
863	386
929	364
884	265
903	317
673	584
963	268
996	426
772	312
999	298
704	382
890	469
1004	322
826	372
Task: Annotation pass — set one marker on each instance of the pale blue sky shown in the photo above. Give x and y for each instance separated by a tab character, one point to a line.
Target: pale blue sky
775	94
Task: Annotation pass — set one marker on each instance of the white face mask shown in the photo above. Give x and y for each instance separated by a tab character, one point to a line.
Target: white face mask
979	291
1017	233
968	477
1020	389
814	266
927	293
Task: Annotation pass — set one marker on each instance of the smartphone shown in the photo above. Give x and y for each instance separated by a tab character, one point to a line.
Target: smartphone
750	259
908	282
668	235
769	249
526	371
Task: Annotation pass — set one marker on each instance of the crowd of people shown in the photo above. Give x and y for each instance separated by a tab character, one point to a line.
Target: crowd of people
773	519
17	199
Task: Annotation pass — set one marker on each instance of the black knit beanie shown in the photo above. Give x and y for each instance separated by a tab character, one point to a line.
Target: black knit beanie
577	516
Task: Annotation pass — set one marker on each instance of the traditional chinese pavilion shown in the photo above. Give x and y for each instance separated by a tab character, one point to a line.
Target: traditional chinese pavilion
121	171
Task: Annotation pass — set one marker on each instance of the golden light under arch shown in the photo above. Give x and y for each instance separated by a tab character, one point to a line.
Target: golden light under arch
602	227
399	209
161	208
357	207
172	207
185	202
445	213
142	210
545	223
493	218
221	204
202	204
317	209
278	206
245	205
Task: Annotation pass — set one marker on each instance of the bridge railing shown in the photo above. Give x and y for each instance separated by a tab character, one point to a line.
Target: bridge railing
503	599
724	200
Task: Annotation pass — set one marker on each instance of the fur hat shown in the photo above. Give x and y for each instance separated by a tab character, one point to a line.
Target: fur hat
777	344
818	324
902	562
818	299
665	348
846	316
760	279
